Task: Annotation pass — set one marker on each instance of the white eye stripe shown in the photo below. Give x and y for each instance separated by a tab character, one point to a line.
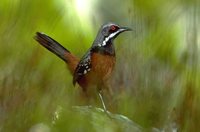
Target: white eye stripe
104	43
108	38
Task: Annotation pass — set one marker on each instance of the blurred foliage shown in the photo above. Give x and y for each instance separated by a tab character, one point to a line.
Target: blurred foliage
156	80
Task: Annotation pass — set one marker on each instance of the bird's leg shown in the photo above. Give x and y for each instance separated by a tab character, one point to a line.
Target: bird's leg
102	101
103	104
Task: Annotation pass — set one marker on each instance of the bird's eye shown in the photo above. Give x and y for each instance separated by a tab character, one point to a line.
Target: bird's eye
113	28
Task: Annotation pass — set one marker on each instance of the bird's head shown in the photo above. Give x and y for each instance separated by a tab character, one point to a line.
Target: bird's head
108	32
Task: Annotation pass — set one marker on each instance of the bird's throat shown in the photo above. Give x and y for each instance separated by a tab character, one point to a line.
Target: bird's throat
108	49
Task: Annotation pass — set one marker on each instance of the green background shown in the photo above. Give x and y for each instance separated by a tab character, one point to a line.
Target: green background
156	80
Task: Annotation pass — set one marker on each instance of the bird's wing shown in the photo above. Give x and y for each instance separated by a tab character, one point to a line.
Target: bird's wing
83	67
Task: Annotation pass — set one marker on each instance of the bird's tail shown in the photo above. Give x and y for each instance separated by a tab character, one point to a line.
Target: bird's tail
52	45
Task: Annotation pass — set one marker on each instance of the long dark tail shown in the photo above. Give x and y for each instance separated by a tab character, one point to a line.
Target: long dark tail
52	45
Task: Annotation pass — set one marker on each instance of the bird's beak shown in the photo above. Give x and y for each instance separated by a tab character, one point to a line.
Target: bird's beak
123	29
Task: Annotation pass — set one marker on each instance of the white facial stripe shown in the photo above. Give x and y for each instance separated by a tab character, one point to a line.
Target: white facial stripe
108	38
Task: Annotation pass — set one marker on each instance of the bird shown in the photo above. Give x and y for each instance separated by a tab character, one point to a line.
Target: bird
94	69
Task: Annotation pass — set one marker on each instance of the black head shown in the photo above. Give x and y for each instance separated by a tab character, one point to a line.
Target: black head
107	33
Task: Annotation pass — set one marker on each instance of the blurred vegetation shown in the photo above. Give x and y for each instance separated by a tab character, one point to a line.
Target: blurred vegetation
156	80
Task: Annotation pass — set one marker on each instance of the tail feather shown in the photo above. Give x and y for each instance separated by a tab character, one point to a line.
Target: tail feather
59	50
52	45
